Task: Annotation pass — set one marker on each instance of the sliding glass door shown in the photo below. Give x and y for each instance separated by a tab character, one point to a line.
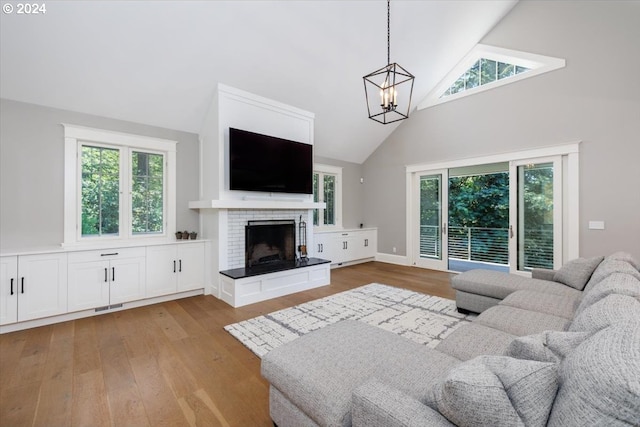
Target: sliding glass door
535	228
503	216
430	191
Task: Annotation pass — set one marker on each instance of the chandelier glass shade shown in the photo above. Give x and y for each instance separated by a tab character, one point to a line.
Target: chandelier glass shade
388	90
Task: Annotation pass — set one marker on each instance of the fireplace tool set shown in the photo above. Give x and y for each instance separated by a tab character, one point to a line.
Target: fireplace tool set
302	247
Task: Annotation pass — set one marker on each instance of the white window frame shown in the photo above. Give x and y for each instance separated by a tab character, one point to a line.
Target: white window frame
537	64
336	171
77	136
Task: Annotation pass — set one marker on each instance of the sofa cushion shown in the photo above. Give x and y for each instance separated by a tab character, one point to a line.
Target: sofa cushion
319	371
599	381
625	256
615	283
556	305
377	404
609	310
519	322
497	284
577	272
548	346
497	391
608	267
474	339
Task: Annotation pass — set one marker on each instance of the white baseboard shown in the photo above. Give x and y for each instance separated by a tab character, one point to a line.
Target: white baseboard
392	259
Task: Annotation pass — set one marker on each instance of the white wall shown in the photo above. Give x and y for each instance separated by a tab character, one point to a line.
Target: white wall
595	99
32	171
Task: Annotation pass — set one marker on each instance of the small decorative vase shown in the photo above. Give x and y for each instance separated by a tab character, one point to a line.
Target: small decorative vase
185	235
178	235
193	235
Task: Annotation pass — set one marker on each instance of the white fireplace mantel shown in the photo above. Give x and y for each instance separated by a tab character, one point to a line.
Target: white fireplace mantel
255	204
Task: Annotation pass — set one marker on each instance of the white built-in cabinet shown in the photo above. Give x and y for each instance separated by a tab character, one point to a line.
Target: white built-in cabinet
42	288
174	268
346	246
32	287
104	278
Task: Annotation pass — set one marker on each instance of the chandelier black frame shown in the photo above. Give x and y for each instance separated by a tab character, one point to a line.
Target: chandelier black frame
388	81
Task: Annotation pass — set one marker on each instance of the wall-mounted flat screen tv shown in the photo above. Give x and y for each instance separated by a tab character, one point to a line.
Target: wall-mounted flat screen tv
269	164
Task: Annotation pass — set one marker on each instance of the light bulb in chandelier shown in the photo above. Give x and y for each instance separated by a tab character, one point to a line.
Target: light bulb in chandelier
388	97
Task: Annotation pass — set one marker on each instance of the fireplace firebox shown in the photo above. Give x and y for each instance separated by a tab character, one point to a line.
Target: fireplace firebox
270	243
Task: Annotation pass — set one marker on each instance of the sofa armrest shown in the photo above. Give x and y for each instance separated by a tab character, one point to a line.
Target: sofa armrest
543	274
377	404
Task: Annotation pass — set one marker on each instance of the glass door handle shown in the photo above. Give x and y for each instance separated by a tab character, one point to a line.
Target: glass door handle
511	231
444	228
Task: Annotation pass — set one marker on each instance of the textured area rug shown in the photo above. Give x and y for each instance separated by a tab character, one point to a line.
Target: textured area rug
422	318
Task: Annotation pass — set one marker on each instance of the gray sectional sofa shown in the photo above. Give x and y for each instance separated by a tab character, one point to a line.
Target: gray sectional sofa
541	355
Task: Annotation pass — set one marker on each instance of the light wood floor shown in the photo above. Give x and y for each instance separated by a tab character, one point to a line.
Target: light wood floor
167	364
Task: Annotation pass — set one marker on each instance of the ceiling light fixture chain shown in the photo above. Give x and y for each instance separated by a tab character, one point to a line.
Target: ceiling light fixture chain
388	31
392	83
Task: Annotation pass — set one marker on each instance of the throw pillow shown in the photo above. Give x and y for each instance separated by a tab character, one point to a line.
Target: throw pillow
576	273
599	381
549	346
497	391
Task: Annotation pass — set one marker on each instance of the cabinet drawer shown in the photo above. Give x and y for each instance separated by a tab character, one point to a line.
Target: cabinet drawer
106	254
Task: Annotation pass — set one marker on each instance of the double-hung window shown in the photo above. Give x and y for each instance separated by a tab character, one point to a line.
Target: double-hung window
327	188
117	186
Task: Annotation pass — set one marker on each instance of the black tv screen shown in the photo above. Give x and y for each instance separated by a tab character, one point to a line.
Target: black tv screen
269	164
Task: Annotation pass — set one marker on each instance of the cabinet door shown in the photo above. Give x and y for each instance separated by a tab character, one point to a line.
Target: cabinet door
8	290
190	266
363	245
162	269
42	286
88	284
346	246
323	245
127	279
370	239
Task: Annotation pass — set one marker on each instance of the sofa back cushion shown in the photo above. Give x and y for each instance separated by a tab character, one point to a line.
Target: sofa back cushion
497	391
576	273
608	267
625	256
609	310
615	283
549	346
599	381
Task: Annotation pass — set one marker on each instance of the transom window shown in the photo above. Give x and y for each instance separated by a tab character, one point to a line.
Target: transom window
327	188
117	186
488	67
482	72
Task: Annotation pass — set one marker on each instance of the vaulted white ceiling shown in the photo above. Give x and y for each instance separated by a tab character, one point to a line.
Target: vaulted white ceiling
158	62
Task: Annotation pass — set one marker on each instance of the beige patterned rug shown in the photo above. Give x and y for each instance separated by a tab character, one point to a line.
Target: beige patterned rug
419	317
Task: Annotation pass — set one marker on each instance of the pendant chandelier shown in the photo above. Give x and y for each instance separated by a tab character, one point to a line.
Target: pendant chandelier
389	89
